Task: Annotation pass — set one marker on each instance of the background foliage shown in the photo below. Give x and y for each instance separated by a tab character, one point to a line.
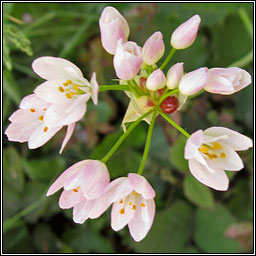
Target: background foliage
190	217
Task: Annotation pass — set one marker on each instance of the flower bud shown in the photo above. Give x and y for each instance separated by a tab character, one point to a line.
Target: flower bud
153	48
174	75
194	81
185	34
156	80
127	60
113	27
227	80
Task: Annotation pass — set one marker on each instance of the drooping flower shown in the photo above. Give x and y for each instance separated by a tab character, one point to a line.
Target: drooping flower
156	80
113	27
174	75
227	81
212	151
153	49
28	123
133	204
65	88
193	81
127	60
84	184
185	34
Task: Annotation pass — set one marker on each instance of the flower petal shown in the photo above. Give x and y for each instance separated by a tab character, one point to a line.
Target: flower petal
70	130
217	180
69	198
141	185
148	210
82	210
95	88
33	101
53	68
235	140
193	143
22	116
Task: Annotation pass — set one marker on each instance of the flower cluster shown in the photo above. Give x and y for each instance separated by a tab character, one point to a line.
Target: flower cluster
61	101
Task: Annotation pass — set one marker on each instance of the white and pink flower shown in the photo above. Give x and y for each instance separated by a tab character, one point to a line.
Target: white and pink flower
156	80
212	151
84	184
66	89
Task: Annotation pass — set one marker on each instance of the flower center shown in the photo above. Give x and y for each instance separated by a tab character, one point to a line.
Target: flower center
212	151
70	89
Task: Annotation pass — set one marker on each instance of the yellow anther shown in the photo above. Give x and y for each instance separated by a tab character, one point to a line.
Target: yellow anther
76	189
134	192
32	110
76	87
223	155
122	211
211	156
65	84
41	118
68	95
130	203
44	109
45	129
204	149
60	89
69	82
143	205
121	201
134	207
216	145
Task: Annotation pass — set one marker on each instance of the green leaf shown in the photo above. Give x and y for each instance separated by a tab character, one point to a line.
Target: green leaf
210	227
197	193
6	55
170	230
177	154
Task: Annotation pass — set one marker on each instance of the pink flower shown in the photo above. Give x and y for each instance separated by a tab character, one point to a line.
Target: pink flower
83	184
211	152
113	27
28	123
133	204
156	80
194	81
227	80
185	34
174	75
153	49
65	88
127	60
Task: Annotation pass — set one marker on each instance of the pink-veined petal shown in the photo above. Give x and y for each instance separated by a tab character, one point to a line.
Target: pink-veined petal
34	102
95	88
147	209
193	143
41	135
53	68
70	130
23	116
64	177
141	185
217	180
235	140
69	198
82	210
99	207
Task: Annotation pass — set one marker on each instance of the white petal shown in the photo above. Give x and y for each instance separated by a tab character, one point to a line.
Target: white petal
23	116
70	130
217	180
193	143
69	198
82	210
95	89
33	101
148	211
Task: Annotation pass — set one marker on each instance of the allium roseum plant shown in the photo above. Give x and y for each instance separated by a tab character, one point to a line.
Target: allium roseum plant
61	101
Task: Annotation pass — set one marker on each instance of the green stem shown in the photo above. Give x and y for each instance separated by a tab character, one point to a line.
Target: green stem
244	61
115	87
168	58
166	94
122	138
147	146
169	120
247	21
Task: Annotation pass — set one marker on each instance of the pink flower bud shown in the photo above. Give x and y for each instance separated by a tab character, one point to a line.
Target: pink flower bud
113	27
127	60
227	80
174	75
194	81
153	48
185	34
156	80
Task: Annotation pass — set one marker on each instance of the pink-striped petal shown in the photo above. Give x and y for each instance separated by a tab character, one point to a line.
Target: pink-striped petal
23	116
82	210
193	143
70	130
69	198
95	88
34	102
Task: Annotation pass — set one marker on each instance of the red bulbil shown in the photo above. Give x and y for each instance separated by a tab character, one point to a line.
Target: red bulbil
170	104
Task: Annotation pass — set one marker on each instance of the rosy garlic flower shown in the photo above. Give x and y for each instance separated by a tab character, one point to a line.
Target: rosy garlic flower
83	184
227	80
133	204
156	80
66	89
174	75
212	151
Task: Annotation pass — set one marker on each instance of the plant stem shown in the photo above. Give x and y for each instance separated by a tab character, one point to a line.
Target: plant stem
146	149
169	120
166	94
247	22
168	58
115	87
122	138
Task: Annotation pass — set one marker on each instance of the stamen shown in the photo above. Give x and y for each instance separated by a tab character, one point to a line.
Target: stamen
41	118
143	205
32	110
60	89
76	87
204	149
65	84
69	82
121	201
45	129
44	109
130	203
223	155
134	207
211	156
68	95
134	192
216	145
76	189
122	211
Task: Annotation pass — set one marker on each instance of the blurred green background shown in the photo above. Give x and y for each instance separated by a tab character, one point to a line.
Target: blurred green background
190	217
